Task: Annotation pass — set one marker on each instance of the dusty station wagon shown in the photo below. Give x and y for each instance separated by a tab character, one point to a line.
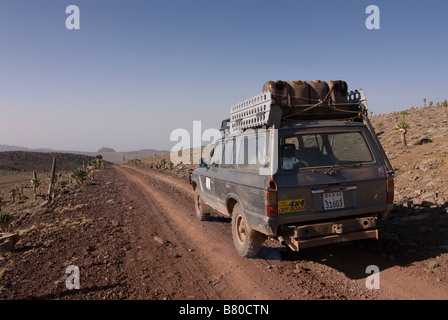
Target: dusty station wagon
298	165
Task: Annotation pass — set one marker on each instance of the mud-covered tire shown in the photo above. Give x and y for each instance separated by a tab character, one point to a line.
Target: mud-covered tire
202	210
246	240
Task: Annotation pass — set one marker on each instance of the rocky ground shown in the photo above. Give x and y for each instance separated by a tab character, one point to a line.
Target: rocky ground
422	169
133	234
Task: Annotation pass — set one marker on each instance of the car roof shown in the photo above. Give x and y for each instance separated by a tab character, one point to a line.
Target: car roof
324	124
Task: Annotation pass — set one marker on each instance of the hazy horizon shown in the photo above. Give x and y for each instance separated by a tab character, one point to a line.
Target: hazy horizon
137	70
4	145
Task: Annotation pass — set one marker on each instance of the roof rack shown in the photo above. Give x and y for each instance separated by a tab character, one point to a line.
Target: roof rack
262	110
268	109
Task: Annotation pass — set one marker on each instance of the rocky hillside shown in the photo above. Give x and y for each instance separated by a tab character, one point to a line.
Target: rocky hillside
421	166
23	161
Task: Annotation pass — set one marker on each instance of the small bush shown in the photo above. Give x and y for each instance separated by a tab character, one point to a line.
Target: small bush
79	175
5	220
402	125
134	161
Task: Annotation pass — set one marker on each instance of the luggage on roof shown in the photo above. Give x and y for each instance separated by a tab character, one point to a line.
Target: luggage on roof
300	92
295	101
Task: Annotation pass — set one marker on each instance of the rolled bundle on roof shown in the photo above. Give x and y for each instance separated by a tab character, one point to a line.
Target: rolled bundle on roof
338	90
318	90
280	91
299	92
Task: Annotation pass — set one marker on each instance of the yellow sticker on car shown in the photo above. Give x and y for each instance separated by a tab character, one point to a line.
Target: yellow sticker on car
291	206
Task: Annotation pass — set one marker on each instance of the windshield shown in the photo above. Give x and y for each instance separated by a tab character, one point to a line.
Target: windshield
323	149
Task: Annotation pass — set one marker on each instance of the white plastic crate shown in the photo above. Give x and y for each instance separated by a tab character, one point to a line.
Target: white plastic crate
250	113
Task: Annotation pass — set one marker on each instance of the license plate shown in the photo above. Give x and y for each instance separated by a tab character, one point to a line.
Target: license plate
333	200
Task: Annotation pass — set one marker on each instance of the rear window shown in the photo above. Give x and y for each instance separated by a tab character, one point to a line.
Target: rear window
323	149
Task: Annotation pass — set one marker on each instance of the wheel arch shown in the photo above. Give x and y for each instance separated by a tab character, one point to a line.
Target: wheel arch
231	201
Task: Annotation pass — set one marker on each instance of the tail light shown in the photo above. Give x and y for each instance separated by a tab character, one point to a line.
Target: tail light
271	199
390	190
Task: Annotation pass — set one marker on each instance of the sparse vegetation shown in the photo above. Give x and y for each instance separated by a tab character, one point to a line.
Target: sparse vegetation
25	196
36	185
97	162
5	220
134	162
31	205
19	191
402	129
13	193
79	175
62	184
404	114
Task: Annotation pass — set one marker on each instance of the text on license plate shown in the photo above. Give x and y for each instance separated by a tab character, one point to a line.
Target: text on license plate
333	200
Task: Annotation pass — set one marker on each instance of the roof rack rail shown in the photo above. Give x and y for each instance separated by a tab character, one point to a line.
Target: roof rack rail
264	110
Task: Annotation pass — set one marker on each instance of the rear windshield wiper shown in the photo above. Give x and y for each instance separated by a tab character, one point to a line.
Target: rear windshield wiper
341	164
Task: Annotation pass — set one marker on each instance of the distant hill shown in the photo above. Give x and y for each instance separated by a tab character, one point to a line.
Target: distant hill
26	161
6	147
108	154
105	149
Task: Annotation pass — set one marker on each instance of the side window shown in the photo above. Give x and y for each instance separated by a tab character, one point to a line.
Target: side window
312	141
251	152
216	155
228	154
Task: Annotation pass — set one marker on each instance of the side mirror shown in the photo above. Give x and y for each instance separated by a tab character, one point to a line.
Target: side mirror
203	164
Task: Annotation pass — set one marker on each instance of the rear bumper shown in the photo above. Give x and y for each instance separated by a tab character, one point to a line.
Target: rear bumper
313	235
274	224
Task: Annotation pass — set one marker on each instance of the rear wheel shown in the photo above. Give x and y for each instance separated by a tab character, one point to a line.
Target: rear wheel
246	240
202	210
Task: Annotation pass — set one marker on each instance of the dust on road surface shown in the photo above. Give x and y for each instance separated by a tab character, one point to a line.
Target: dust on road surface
134	235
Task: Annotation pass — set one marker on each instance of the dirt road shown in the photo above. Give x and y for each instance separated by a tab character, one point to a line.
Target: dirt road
134	235
206	257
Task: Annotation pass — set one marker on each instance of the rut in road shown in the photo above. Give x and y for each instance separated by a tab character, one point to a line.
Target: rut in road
208	267
206	264
155	229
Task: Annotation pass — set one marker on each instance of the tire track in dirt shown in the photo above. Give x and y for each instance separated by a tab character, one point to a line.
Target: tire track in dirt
205	248
330	272
292	276
155	231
